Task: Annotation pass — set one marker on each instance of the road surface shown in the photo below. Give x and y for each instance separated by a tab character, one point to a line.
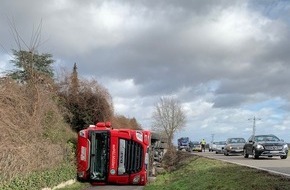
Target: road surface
114	187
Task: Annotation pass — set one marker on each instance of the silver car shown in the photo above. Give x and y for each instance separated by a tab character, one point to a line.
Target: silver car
234	146
212	146
220	147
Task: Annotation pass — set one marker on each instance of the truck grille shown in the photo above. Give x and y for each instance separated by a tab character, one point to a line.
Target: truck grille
133	157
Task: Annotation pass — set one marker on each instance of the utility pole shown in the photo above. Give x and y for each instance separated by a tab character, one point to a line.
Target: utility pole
254	124
212	137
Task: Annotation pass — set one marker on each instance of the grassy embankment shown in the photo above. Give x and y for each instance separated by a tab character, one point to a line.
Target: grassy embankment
201	173
36	144
76	186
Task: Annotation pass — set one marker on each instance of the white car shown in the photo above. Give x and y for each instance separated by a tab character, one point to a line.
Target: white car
212	146
220	147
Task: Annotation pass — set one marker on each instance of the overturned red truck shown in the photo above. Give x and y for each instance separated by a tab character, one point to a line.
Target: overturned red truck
113	156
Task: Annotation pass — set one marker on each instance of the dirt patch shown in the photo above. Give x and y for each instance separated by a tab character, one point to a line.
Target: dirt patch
174	159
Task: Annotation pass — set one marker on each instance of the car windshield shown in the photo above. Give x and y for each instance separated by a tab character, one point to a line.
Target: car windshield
267	138
221	143
184	140
237	140
195	143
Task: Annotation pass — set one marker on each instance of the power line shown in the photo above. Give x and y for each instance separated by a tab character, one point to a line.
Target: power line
254	124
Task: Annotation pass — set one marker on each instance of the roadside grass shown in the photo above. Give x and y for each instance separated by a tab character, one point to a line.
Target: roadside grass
40	179
201	173
75	186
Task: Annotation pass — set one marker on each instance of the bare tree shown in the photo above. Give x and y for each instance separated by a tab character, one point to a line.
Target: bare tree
32	69
168	117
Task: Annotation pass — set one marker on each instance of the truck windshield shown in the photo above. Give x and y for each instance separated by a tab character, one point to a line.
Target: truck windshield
99	155
184	140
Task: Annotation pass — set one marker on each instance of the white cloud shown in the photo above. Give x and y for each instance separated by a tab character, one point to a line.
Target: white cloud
4	63
121	88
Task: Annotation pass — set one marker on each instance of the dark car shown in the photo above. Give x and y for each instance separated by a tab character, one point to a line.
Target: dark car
234	146
265	145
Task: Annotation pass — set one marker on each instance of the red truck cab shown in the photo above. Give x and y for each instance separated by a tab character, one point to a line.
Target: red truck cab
112	156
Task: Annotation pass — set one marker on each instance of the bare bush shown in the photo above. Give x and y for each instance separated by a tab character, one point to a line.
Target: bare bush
121	122
87	100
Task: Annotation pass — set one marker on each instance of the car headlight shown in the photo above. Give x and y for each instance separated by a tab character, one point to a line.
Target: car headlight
285	147
260	146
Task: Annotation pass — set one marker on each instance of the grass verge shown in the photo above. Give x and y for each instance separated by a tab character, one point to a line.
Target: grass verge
75	186
41	179
203	173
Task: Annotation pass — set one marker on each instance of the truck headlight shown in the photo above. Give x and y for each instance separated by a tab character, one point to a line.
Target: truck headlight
81	174
82	133
136	179
112	172
146	158
83	156
285	147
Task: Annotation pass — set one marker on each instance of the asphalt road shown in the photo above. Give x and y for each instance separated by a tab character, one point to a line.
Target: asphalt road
273	165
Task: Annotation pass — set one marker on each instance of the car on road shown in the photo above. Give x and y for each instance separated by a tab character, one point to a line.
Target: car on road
220	147
212	146
266	146
234	146
195	146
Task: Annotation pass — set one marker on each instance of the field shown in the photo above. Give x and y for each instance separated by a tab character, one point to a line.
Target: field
203	173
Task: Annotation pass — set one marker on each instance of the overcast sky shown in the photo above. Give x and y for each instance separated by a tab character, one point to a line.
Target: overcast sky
225	61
